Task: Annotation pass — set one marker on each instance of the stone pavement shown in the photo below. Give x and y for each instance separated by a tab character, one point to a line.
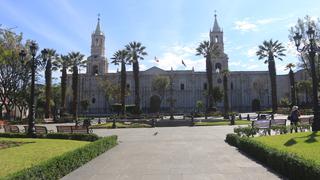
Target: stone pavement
171	153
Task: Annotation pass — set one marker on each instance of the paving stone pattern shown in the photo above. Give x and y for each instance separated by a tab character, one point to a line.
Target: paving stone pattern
171	153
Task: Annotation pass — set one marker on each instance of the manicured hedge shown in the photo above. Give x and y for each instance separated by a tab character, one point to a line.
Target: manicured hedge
73	136
60	166
287	164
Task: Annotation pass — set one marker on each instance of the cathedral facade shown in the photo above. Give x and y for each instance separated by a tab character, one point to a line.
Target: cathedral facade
188	86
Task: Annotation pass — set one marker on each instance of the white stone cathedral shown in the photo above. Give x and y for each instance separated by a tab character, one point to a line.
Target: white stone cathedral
189	86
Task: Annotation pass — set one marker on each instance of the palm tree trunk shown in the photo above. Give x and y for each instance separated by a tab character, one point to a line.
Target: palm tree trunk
48	89
292	88
137	85
75	94
272	74
123	87
210	83
63	91
226	98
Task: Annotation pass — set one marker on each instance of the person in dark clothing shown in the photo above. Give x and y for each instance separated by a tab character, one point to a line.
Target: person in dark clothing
294	118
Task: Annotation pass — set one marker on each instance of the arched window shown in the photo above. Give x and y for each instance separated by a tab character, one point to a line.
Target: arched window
205	86
181	86
218	66
95	70
216	40
219	80
128	86
231	86
97	42
93	100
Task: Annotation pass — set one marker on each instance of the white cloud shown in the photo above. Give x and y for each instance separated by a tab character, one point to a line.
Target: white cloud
235	63
252	52
291	49
252	66
270	20
174	54
245	26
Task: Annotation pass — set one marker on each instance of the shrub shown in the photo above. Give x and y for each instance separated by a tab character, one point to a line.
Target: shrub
287	164
75	136
245	131
232	139
130	108
60	166
280	129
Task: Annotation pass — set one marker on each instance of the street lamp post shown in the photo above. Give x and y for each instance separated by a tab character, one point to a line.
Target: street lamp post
312	49
33	51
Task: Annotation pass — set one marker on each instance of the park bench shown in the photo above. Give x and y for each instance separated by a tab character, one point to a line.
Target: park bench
305	123
262	125
48	120
11	129
279	125
74	129
38	129
278	122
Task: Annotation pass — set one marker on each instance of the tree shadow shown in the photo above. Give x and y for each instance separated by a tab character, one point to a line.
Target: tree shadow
311	138
291	142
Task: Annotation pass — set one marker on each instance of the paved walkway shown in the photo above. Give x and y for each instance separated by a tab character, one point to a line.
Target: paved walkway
178	153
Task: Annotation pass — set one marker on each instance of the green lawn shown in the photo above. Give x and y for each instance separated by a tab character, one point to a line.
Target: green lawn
121	125
306	144
222	123
33	152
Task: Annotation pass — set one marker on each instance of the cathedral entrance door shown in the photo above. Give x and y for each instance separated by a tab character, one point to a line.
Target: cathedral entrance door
155	102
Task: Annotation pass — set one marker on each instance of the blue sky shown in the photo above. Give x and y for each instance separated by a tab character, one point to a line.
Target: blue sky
170	29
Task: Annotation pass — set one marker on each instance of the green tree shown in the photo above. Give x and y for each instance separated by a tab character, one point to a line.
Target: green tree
292	83
160	84
302	27
77	61
63	63
217	94
47	59
284	102
271	50
84	104
56	100
136	52
121	56
204	49
14	74
112	91
305	86
225	74
199	106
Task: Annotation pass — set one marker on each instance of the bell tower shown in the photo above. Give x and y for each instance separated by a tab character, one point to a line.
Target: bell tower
219	58
97	62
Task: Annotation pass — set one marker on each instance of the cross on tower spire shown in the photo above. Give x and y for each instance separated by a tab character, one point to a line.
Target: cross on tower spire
215	25
98	31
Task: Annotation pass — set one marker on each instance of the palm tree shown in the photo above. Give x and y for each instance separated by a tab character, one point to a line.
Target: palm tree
136	52
77	61
51	55
271	50
225	74
63	63
204	49
292	83
121	56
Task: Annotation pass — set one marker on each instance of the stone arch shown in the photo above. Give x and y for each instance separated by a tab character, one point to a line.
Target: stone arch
218	66
155	102
255	105
95	70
